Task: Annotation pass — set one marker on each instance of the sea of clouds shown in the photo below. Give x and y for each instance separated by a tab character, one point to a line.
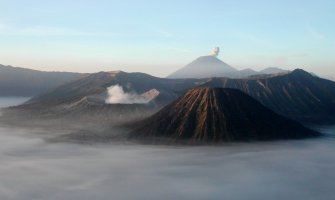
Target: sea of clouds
32	168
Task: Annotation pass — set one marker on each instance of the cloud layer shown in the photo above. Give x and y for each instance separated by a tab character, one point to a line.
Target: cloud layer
33	169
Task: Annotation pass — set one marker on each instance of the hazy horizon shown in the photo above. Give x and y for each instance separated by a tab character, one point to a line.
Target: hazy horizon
160	37
321	73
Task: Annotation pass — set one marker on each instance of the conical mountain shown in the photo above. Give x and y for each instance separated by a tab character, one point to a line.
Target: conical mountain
204	67
218	115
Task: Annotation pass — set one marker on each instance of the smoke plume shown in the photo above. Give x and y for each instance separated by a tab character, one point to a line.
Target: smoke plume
116	95
216	51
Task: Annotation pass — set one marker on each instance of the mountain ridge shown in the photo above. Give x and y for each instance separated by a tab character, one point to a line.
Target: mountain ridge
17	81
297	95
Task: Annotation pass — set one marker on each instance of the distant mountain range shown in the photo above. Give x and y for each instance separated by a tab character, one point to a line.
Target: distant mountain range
211	66
218	115
297	95
206	101
15	81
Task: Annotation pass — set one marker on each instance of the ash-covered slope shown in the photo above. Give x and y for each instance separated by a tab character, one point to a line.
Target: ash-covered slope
97	84
92	110
297	95
218	115
204	67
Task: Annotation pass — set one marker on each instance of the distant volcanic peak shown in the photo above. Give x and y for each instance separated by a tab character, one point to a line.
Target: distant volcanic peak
300	72
204	67
208	60
218	115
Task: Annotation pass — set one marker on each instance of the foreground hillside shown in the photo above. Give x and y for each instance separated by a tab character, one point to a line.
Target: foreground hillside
218	115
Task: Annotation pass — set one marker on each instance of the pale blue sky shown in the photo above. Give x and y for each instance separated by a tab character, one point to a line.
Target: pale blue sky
158	37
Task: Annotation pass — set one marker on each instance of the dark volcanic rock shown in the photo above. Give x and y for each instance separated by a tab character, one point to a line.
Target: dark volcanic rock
218	115
297	95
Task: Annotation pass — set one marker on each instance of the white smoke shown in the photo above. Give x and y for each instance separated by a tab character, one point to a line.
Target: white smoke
215	51
116	95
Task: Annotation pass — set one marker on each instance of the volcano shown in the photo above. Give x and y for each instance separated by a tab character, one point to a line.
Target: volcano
204	67
297	95
218	115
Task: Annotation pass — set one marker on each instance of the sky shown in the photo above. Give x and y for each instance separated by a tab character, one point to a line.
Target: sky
158	37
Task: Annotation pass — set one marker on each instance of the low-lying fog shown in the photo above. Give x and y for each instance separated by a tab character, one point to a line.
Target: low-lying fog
11	101
32	168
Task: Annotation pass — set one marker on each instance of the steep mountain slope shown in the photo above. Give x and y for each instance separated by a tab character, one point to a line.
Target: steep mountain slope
97	84
298	95
16	81
203	67
218	115
88	109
